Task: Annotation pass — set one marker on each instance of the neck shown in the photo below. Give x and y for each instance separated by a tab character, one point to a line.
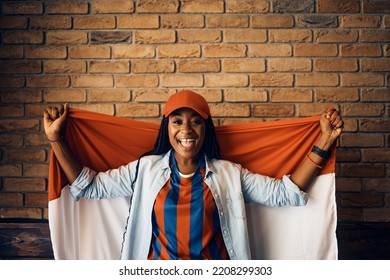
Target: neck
187	166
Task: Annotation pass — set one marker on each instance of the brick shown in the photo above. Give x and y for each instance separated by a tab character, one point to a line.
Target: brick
17	96
316	21
64	66
107	109
313	50
8	170
245	35
376	155
386	21
358	50
178	51
108	95
156	6
20	66
35	110
67	7
376	214
272	80
316	79
273	110
24	184
151	95
66	37
246	6
375	125
367	170
25	155
229	110
110	37
381	36
136	80
108	7
348	184
226	80
376	6
182	21
227	21
89	52
338	6
11	111
272	21
332	36
13	22
230	50
362	79
36	140
243	65
376	185
291	95
286	6
375	64
36	199
11	140
22	8
45	52
360	200
311	109
153	66
138	22
289	65
11	82
335	65
94	22
181	80
202	6
349	214
125	52
23	37
64	95
245	95
362	110
359	21
269	50
47	81
108	67
348	155
137	110
337	95
362	140
285	36
92	81
375	95
198	65
11	52
50	22
25	213
154	36
200	36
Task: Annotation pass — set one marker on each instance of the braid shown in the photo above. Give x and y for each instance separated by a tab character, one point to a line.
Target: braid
210	145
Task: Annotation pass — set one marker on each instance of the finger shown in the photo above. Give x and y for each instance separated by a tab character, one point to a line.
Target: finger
61	109
54	112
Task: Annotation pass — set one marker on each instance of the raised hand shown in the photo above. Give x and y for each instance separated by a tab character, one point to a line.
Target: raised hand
54	121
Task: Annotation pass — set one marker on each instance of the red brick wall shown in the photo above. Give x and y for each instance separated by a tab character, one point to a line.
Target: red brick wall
252	60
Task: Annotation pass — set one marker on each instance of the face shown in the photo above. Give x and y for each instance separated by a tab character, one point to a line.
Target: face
186	130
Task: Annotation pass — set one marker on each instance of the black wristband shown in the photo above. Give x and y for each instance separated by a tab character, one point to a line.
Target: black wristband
320	152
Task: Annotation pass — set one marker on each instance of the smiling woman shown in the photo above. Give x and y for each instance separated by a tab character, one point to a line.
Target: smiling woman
186	202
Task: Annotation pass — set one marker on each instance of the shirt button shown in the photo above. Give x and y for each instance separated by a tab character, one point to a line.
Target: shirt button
224	232
215	195
221	213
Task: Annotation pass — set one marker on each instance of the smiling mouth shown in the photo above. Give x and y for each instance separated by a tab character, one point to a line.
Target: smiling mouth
186	143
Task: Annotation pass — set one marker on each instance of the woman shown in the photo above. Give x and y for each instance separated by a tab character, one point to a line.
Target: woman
187	203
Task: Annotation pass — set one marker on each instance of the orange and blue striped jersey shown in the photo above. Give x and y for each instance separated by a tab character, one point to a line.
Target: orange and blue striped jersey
185	219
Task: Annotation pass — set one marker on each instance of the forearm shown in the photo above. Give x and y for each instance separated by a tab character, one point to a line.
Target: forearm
66	159
309	169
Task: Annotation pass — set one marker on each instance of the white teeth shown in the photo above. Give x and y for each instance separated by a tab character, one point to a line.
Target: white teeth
187	140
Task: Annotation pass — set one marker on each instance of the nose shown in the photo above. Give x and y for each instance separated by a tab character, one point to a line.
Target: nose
186	128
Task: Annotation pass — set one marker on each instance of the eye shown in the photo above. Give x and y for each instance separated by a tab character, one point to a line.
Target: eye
196	121
176	121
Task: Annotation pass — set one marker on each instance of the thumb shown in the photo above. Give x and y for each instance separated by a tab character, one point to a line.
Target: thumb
66	111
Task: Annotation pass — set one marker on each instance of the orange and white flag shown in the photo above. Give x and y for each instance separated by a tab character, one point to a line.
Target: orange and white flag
90	229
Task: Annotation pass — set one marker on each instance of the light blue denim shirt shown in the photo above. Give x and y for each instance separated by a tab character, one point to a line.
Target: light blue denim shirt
230	184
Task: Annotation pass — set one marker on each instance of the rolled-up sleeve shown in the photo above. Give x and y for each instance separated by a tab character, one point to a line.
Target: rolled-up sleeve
270	191
98	185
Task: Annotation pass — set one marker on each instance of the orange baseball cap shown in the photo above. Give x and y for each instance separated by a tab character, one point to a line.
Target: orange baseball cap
187	99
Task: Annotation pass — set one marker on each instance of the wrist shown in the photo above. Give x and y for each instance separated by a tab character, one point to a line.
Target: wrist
325	142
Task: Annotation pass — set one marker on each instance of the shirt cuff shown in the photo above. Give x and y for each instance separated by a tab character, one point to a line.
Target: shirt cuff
82	181
301	197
